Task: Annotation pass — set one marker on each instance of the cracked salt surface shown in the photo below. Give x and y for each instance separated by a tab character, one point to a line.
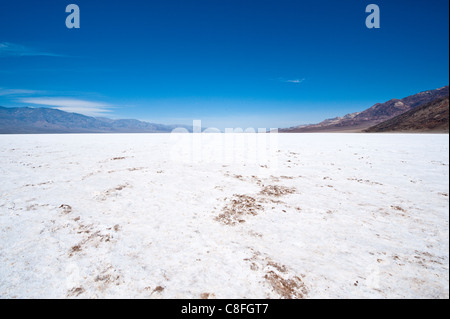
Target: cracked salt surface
118	216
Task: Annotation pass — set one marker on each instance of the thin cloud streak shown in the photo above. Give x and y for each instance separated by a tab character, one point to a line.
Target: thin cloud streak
8	49
292	81
15	92
296	81
84	107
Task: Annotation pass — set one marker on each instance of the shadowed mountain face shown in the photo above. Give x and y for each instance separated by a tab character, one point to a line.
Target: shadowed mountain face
24	120
376	114
430	117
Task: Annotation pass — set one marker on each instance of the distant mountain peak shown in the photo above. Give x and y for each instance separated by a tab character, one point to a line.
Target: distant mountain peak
429	117
27	120
376	114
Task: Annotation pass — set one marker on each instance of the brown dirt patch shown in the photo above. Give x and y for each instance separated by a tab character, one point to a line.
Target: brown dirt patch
66	209
75	292
292	288
277	191
240	206
158	289
398	208
207	295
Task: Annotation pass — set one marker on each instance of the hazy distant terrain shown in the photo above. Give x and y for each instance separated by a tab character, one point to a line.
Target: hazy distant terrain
24	120
378	113
145	216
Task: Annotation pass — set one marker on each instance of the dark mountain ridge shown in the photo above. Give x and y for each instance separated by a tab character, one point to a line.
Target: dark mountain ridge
374	115
429	117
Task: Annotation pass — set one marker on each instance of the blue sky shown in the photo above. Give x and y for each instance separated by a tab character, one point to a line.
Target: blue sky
229	63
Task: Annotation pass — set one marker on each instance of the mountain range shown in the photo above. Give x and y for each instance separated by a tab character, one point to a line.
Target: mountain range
378	113
429	117
26	120
425	111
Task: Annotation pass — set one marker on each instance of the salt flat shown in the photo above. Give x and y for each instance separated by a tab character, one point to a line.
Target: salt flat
215	216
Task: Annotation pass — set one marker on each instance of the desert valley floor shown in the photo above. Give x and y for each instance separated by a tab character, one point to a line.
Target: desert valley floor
190	216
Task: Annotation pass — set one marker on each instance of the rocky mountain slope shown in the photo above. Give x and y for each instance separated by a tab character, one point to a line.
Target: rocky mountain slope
374	115
430	117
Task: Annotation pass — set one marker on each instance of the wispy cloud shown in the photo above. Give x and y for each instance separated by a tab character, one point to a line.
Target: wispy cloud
17	92
8	49
295	81
85	107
